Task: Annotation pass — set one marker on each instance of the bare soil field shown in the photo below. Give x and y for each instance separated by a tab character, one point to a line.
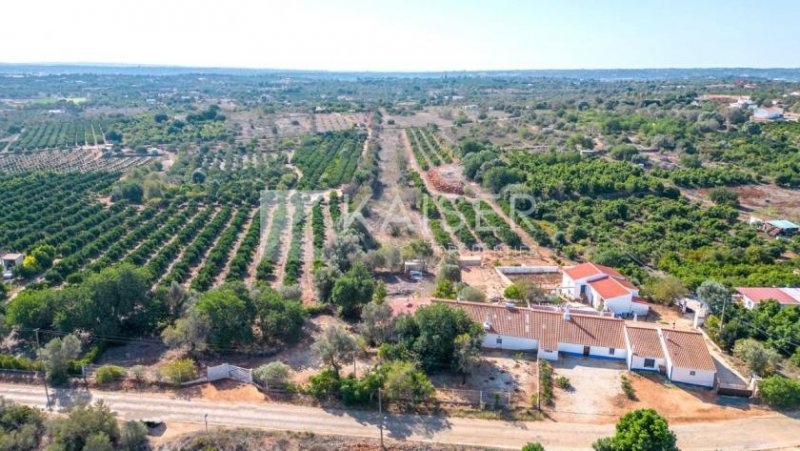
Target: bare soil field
771	201
596	395
432	115
192	437
684	404
391	209
292	124
498	371
399	285
331	122
546	280
484	278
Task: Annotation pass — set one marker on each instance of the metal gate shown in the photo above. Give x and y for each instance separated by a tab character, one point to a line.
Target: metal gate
226	371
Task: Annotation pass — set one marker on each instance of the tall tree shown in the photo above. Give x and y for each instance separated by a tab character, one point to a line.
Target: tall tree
641	430
336	347
467	354
715	295
55	357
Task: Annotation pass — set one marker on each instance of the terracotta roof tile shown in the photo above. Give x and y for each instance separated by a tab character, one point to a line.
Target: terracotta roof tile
585	270
758	294
644	341
609	288
549	328
688	350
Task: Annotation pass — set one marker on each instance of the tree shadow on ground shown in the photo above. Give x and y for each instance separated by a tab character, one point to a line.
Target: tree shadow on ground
62	398
399	426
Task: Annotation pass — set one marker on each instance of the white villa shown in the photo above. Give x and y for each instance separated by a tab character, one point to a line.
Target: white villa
680	354
604	288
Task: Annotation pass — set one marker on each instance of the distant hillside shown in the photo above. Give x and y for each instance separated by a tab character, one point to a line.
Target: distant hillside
790	74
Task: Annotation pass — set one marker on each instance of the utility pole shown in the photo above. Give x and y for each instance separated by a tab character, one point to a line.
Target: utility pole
44	373
380	417
722	315
206	420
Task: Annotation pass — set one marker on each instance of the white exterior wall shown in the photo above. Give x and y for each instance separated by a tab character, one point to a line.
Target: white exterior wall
636	362
596	351
594	297
748	303
548	355
640	309
511	343
570	348
620	304
701	377
568	287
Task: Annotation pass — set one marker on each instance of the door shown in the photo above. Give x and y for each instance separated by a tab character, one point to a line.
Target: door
586	350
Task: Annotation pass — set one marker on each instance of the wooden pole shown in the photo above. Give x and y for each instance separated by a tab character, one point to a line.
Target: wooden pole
44	378
380	415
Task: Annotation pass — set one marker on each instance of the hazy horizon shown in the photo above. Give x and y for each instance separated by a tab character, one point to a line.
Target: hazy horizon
413	36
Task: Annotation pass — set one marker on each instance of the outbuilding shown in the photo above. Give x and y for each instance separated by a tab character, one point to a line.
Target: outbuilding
688	359
645	351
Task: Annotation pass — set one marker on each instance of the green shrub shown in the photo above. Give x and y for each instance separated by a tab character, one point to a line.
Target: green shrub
795	358
272	374
533	446
362	391
563	382
627	387
109	373
546	382
323	385
133	436
317	309
513	292
10	362
780	392
180	371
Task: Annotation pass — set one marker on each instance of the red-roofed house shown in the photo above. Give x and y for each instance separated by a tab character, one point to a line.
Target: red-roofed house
752	296
681	354
602	287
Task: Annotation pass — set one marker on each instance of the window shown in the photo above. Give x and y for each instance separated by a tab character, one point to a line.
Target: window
692	373
499	340
649	363
611	351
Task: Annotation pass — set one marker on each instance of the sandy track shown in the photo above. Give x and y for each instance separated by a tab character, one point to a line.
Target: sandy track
306	282
286	241
772	431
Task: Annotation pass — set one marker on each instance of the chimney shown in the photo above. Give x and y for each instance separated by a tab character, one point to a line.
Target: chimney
566	312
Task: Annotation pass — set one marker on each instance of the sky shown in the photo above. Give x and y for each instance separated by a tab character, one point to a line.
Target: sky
404	35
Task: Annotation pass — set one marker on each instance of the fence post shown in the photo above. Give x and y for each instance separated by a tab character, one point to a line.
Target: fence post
480	403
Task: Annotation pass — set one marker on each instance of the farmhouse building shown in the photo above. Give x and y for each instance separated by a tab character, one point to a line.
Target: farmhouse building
603	288
752	296
780	227
688	359
681	355
9	262
769	114
645	350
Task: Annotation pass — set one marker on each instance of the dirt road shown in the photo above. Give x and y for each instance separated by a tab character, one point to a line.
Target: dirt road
768	432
